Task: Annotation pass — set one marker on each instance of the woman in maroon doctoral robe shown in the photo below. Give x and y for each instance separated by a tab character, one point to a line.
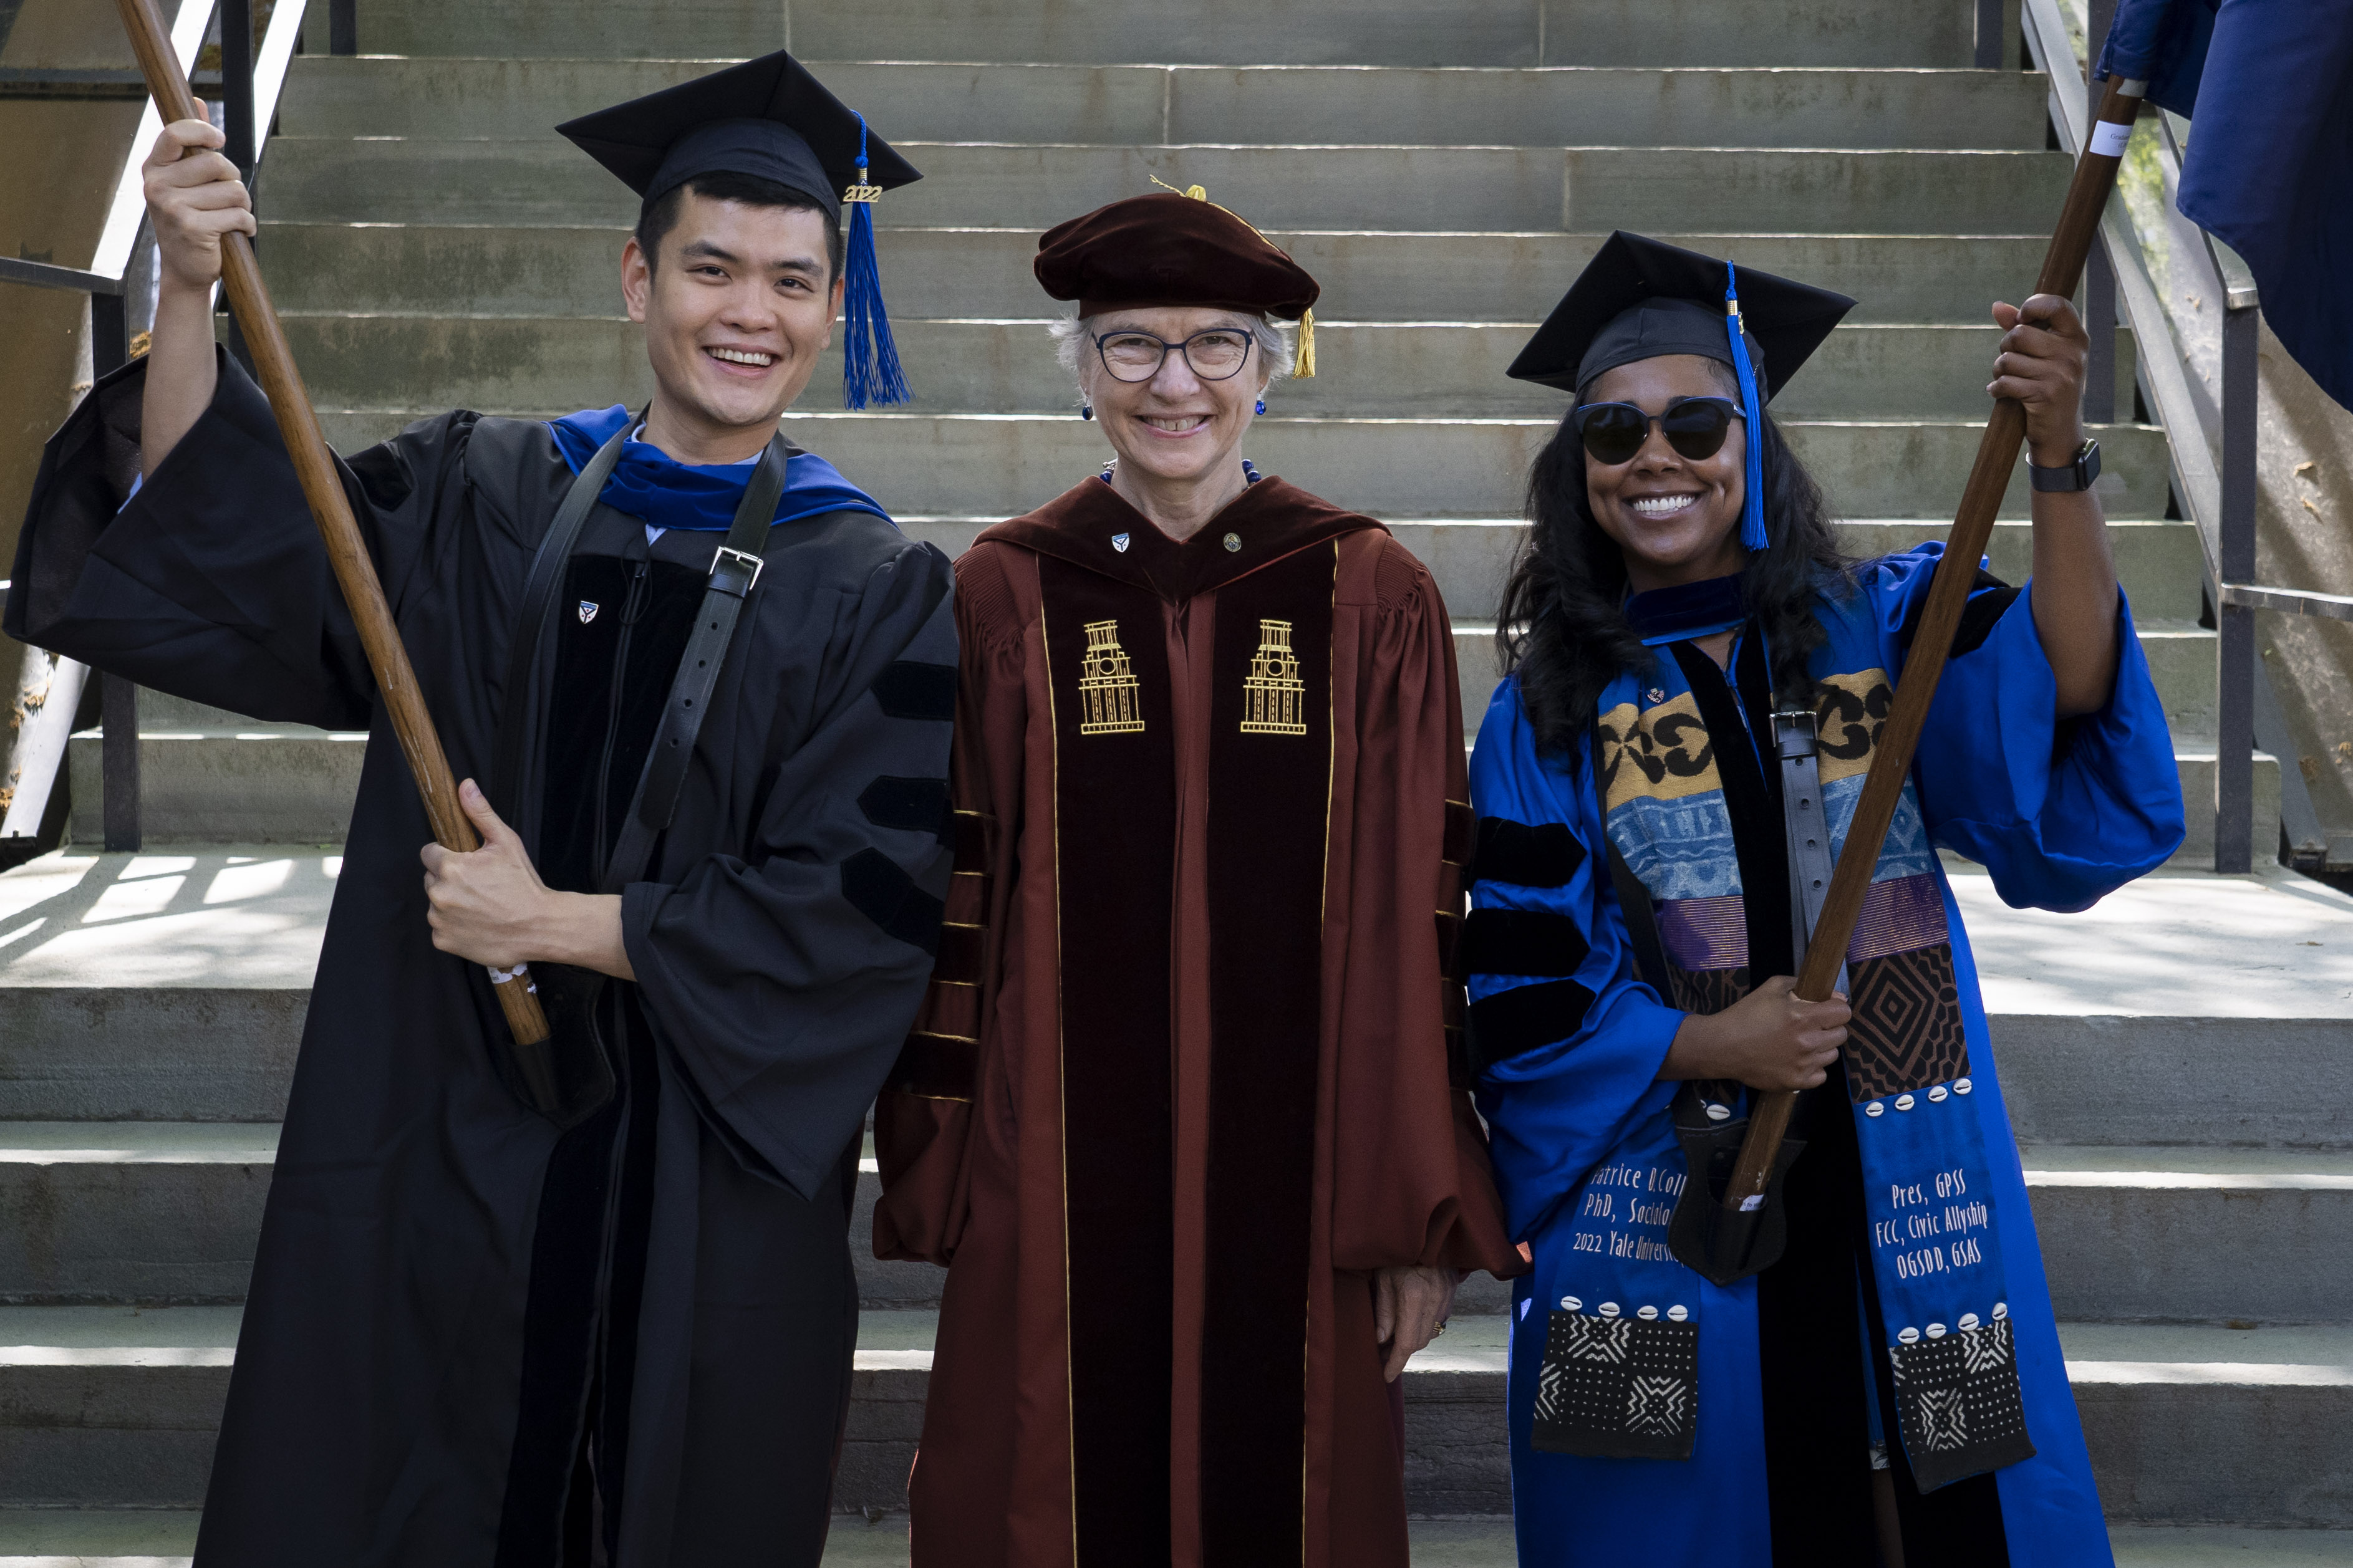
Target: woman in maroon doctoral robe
1178	1114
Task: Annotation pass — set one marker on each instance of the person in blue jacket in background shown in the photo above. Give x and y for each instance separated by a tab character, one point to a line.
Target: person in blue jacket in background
1698	678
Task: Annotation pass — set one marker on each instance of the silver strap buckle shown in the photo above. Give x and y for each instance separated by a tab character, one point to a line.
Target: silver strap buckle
743	558
1793	732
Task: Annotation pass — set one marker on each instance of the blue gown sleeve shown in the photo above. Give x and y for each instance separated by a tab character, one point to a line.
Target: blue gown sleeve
2061	813
1567	1043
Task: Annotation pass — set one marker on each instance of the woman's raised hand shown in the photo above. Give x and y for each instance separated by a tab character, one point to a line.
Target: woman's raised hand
2042	363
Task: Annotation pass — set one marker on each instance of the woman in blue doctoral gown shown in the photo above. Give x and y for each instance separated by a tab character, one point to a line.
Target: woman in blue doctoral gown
1890	1391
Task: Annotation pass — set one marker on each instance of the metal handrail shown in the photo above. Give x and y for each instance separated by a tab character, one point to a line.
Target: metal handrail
48	694
2219	500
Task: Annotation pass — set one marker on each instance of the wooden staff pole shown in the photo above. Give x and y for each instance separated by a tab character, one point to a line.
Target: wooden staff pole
273	362
1891	763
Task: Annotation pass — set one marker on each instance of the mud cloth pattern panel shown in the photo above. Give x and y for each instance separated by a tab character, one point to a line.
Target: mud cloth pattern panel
1618	1388
1906	1029
1957	1398
1705	991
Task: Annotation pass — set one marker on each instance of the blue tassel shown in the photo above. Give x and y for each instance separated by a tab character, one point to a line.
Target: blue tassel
1752	508
870	360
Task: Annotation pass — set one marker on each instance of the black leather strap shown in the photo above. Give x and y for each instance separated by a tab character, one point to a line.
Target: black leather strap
1808	828
530	620
734	568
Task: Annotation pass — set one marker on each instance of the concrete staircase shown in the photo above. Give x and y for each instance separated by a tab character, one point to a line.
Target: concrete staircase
2175	1059
432	243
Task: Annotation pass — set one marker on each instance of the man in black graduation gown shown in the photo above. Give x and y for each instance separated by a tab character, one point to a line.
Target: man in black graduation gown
475	1336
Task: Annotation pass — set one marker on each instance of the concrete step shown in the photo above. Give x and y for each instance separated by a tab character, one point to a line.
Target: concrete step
2193	1234
131	1211
2184	1008
164	986
434	267
142	1053
2204	1425
107	1408
2159	560
1005	465
1313	32
223	918
1130	105
1367	369
208	776
1419	187
258	784
2223	1546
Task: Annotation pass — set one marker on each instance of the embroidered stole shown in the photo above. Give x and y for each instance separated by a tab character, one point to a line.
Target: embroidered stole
1115	830
1623	1347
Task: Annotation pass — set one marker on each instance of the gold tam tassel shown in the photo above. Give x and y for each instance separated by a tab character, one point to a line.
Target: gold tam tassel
1302	364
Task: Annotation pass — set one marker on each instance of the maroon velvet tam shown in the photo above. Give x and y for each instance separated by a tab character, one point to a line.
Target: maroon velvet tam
1170	249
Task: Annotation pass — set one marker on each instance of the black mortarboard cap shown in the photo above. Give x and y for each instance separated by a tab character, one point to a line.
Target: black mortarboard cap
1638	299
769	117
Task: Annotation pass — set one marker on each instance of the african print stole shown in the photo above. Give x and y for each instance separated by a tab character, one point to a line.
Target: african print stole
1115	830
1622	1357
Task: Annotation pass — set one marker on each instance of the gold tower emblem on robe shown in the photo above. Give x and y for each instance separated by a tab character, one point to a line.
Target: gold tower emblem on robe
1273	693
1107	688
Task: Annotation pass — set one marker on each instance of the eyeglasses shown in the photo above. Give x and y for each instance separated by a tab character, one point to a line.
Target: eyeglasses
1614	432
1214	355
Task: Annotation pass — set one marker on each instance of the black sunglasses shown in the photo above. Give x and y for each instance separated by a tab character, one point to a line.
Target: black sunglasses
1614	432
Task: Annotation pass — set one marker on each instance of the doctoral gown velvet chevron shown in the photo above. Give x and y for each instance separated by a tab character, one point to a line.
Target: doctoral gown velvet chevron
1830	1359
1182	1081
462	1319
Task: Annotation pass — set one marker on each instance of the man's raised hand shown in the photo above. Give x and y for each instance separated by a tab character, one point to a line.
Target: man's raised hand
194	197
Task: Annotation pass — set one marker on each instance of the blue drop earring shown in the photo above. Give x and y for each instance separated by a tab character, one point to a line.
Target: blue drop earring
1261	406
1086	410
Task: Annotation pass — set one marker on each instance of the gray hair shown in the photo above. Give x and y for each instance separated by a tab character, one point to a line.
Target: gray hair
1073	337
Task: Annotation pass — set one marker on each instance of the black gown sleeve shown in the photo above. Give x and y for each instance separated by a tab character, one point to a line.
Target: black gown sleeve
212	583
783	981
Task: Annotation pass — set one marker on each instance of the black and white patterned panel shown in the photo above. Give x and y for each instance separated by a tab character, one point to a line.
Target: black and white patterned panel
1618	1388
1958	1399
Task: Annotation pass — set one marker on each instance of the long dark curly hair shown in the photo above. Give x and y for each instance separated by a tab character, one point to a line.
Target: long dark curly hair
1562	628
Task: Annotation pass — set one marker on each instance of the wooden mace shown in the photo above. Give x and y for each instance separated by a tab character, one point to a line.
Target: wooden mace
273	362
1891	763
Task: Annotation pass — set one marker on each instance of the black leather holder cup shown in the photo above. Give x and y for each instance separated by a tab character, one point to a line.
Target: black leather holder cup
1723	1246
567	1076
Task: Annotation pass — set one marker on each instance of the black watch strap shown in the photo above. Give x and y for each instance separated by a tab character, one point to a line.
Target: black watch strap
2076	476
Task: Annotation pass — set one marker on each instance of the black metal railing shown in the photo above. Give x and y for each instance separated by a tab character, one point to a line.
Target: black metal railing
109	349
2099	271
243	124
2213	442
